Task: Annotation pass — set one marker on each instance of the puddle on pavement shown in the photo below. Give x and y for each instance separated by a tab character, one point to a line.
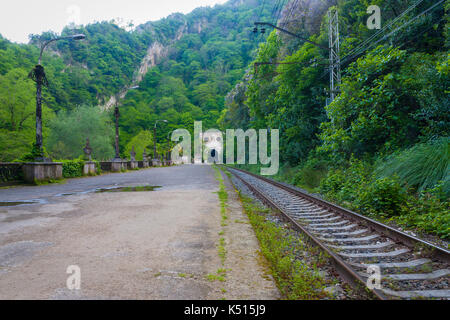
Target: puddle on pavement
129	189
111	189
18	203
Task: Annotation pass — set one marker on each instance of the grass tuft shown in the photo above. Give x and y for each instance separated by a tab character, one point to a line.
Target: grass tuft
422	166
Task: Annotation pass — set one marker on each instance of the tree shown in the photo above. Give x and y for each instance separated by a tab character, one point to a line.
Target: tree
17	101
17	115
70	129
143	140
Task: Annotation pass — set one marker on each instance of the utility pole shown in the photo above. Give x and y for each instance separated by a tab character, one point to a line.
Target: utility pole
335	60
38	75
117	117
333	48
154	136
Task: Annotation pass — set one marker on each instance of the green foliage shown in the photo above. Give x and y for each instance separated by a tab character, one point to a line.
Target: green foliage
421	166
190	82
35	154
71	129
143	140
384	106
429	212
344	183
296	278
72	168
311	174
17	114
358	188
383	197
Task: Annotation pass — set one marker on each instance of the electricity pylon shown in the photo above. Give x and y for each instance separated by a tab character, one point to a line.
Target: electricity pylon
335	60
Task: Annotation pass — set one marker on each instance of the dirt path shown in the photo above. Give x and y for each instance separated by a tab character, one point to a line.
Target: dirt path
248	275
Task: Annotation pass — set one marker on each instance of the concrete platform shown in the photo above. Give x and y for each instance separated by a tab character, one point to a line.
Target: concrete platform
128	245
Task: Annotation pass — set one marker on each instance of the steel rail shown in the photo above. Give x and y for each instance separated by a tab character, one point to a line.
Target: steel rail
341	266
350	275
397	235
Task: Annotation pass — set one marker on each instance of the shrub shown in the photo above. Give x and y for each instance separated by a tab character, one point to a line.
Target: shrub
332	184
429	212
72	168
357	188
345	185
311	174
34	154
384	197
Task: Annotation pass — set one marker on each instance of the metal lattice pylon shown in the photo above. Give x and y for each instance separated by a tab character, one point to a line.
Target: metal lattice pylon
335	60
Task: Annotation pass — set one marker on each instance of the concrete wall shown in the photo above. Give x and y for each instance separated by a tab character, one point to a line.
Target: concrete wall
42	171
114	166
89	169
10	172
143	164
132	165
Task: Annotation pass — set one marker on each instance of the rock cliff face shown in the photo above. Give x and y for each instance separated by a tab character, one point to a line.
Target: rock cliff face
304	16
155	53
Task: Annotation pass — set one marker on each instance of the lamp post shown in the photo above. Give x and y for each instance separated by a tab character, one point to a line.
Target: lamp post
154	137
169	158
38	75
117	116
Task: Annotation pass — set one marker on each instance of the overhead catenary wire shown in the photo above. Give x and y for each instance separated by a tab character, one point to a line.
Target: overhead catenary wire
368	40
275	10
262	9
366	45
350	57
283	4
290	10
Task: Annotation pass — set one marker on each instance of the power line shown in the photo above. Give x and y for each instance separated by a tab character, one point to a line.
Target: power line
412	20
350	57
420	33
275	10
262	8
367	41
366	46
398	29
291	11
283	4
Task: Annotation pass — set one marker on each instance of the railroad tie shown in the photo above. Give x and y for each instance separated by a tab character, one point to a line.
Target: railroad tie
418	293
375	254
407	264
368	246
419	276
362	239
351	226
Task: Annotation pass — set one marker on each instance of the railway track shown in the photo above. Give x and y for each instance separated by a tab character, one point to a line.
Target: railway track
360	247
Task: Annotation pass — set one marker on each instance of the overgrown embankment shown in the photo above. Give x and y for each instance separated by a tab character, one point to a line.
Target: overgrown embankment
301	271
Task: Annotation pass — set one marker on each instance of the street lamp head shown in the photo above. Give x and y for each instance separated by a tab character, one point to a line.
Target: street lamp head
165	121
134	88
78	37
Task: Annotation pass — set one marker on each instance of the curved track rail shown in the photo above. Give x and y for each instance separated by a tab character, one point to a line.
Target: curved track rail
409	267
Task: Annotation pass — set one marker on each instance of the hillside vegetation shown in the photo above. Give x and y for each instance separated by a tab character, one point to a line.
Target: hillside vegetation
381	147
202	56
